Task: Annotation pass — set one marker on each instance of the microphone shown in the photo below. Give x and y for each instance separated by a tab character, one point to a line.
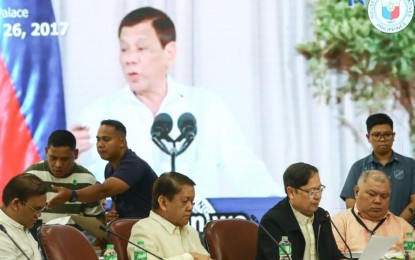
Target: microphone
254	218
2	228
106	229
338	232
187	127
160	129
162	125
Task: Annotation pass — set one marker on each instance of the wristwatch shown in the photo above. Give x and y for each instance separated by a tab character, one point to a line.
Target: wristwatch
74	196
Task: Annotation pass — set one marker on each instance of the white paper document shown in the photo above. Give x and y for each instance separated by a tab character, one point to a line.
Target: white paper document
89	224
377	247
59	221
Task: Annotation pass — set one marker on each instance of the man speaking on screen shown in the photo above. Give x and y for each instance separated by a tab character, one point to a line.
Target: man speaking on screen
218	158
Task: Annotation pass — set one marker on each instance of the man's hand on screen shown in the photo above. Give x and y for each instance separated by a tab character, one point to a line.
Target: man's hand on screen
83	139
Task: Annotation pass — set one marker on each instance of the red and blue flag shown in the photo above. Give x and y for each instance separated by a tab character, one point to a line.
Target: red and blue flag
31	86
390	9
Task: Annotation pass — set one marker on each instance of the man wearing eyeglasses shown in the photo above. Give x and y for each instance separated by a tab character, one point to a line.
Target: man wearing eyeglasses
299	217
400	169
370	215
24	199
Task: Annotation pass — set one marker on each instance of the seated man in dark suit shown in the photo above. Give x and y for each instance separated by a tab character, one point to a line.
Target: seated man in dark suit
299	217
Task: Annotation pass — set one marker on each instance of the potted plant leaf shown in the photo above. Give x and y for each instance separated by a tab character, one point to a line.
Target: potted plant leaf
374	67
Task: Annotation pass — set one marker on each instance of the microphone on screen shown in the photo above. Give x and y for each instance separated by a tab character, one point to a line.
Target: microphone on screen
338	232
2	228
106	229
254	218
160	130
188	129
187	126
162	125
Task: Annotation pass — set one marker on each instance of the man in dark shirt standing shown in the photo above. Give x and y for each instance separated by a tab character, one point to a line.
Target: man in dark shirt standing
128	178
399	168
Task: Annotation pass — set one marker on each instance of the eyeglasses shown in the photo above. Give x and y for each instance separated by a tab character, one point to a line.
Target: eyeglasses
387	136
37	212
313	192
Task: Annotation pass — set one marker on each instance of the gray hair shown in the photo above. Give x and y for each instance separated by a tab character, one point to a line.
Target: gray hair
376	175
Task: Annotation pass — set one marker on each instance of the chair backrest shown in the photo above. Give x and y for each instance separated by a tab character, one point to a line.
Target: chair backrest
63	242
230	239
123	228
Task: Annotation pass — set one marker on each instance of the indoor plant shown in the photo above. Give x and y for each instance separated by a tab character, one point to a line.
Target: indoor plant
374	67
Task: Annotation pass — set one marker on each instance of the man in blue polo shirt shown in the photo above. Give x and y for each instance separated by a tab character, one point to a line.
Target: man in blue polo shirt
128	178
400	169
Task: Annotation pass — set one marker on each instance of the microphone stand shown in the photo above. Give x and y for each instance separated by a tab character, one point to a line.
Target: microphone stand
340	235
255	219
174	152
160	144
187	133
173	155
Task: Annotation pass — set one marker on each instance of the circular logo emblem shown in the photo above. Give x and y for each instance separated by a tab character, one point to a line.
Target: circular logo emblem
398	174
390	16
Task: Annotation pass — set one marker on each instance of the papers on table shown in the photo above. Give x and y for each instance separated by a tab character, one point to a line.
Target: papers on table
89	224
377	247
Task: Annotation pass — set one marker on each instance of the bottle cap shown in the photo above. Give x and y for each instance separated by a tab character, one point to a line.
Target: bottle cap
409	233
284	237
140	242
110	246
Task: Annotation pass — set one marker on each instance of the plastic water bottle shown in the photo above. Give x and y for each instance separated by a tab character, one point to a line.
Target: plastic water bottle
409	246
110	253
285	248
140	254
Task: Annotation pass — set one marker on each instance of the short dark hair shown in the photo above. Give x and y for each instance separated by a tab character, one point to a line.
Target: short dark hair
23	187
378	119
62	138
169	184
298	174
117	125
162	23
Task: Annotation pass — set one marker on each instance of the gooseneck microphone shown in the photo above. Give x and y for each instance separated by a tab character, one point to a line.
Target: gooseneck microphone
2	228
106	229
162	125
340	235
254	218
187	126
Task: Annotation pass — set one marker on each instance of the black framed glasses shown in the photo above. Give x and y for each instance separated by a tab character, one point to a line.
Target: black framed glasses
38	211
378	135
313	192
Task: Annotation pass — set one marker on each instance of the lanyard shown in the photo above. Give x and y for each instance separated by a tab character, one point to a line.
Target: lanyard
372	232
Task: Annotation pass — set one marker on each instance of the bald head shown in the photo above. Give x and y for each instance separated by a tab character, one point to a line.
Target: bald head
375	175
